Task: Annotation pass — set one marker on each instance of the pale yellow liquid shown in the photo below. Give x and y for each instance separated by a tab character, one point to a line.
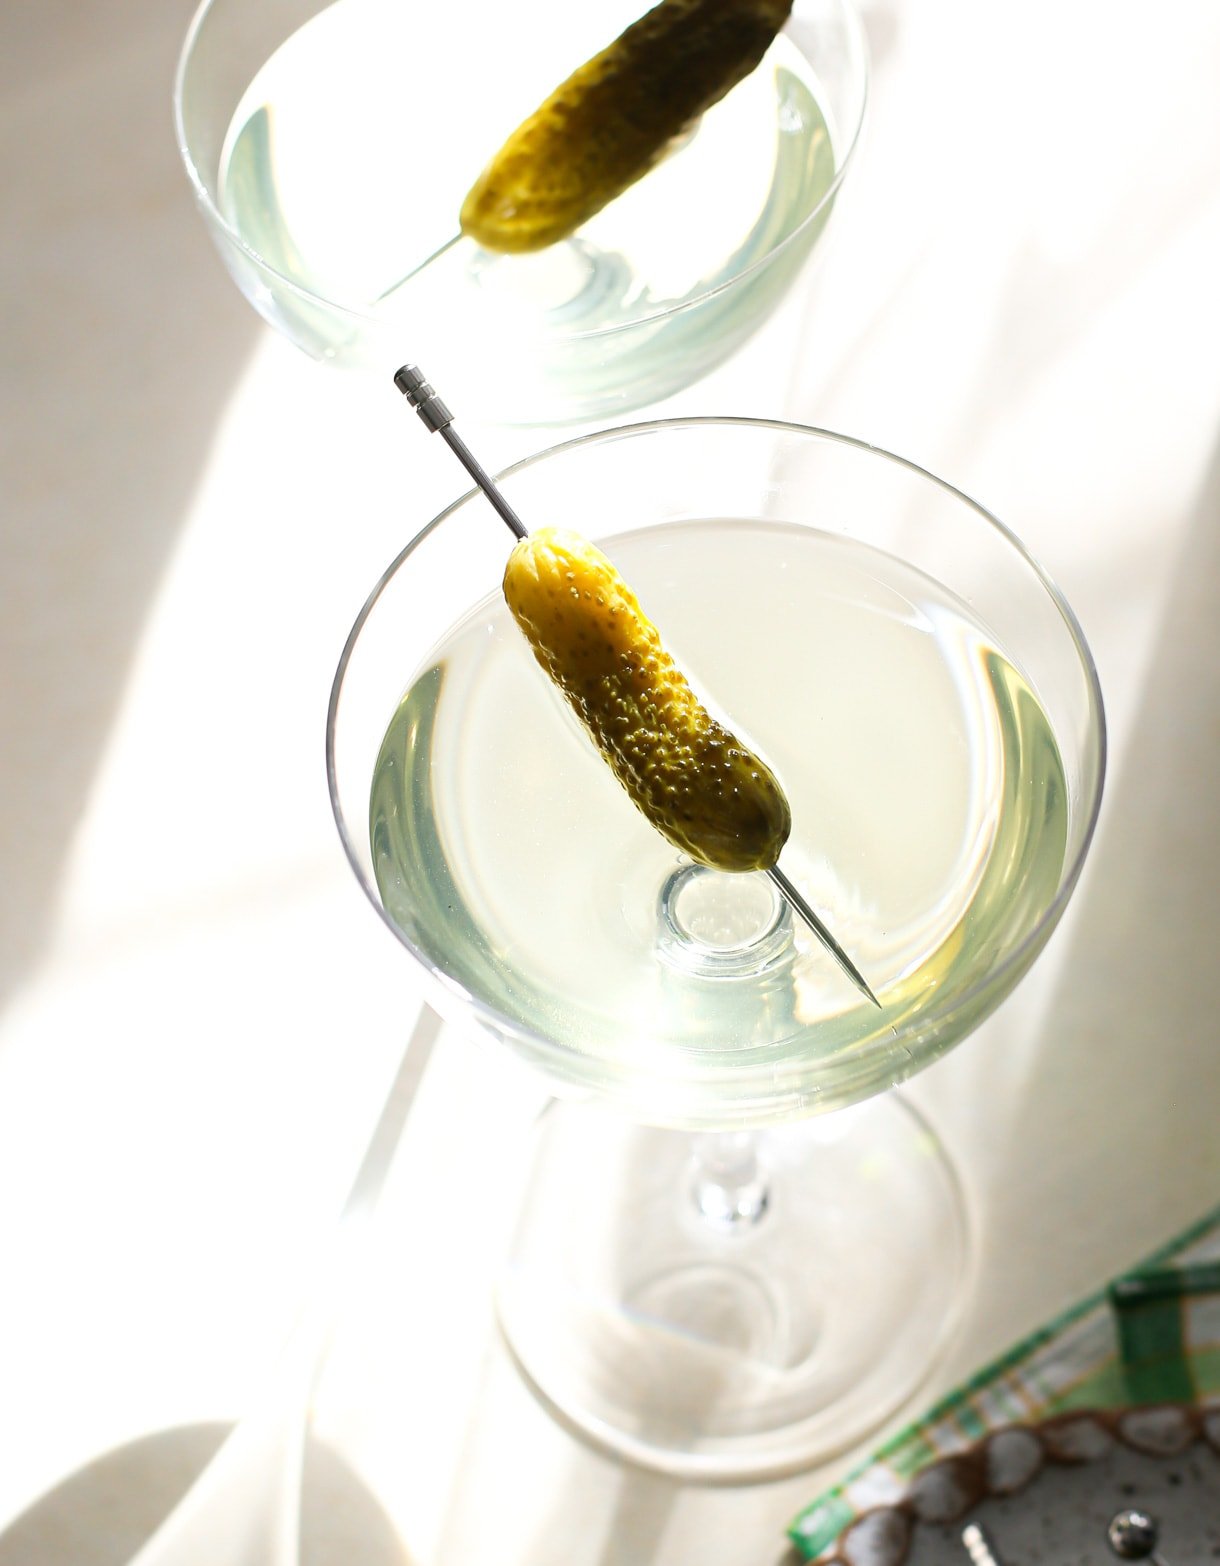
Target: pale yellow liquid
929	827
350	153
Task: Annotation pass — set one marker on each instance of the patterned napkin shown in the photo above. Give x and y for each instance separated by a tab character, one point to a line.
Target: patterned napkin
1150	1337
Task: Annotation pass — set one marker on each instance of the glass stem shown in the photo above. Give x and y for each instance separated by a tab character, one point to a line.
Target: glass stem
729	1183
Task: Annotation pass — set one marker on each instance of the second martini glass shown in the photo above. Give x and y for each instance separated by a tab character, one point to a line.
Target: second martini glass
713	1276
330	145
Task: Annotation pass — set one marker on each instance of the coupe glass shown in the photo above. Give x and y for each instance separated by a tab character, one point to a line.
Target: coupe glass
714	1275
330	147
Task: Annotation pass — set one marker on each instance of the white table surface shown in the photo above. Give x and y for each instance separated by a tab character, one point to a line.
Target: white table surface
199	1015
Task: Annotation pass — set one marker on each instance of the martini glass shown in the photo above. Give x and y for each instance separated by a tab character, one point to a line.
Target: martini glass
330	147
739	1249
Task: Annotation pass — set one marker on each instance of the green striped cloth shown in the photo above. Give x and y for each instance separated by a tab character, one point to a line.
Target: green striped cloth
1152	1336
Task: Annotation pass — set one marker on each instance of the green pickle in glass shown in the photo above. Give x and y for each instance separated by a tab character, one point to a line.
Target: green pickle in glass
331	149
738	1249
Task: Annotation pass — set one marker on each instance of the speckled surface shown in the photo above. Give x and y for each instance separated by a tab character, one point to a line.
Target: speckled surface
1044	1494
1060	1519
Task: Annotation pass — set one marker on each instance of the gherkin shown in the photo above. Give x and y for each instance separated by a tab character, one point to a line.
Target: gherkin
610	121
695	781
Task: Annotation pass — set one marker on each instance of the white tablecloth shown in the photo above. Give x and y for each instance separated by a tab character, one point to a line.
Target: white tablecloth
199	1015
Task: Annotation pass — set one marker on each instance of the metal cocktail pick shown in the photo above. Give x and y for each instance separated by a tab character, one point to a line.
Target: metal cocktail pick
438	419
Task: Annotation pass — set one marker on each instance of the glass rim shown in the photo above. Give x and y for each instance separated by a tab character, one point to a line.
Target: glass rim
859	54
544	1049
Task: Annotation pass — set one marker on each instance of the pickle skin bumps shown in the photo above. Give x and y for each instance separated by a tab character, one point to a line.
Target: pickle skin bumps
613	118
694	781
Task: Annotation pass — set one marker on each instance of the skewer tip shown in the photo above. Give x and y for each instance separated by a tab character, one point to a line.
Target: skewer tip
801	907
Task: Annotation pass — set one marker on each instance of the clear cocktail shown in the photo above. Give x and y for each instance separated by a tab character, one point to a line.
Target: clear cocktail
928	704
331	146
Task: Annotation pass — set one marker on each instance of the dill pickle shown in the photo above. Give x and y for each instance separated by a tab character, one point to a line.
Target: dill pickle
693	779
610	121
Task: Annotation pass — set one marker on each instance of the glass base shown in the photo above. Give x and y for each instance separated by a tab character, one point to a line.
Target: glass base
734	1307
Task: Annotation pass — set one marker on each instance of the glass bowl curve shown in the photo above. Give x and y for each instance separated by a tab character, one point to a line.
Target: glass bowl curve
498	358
678	471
